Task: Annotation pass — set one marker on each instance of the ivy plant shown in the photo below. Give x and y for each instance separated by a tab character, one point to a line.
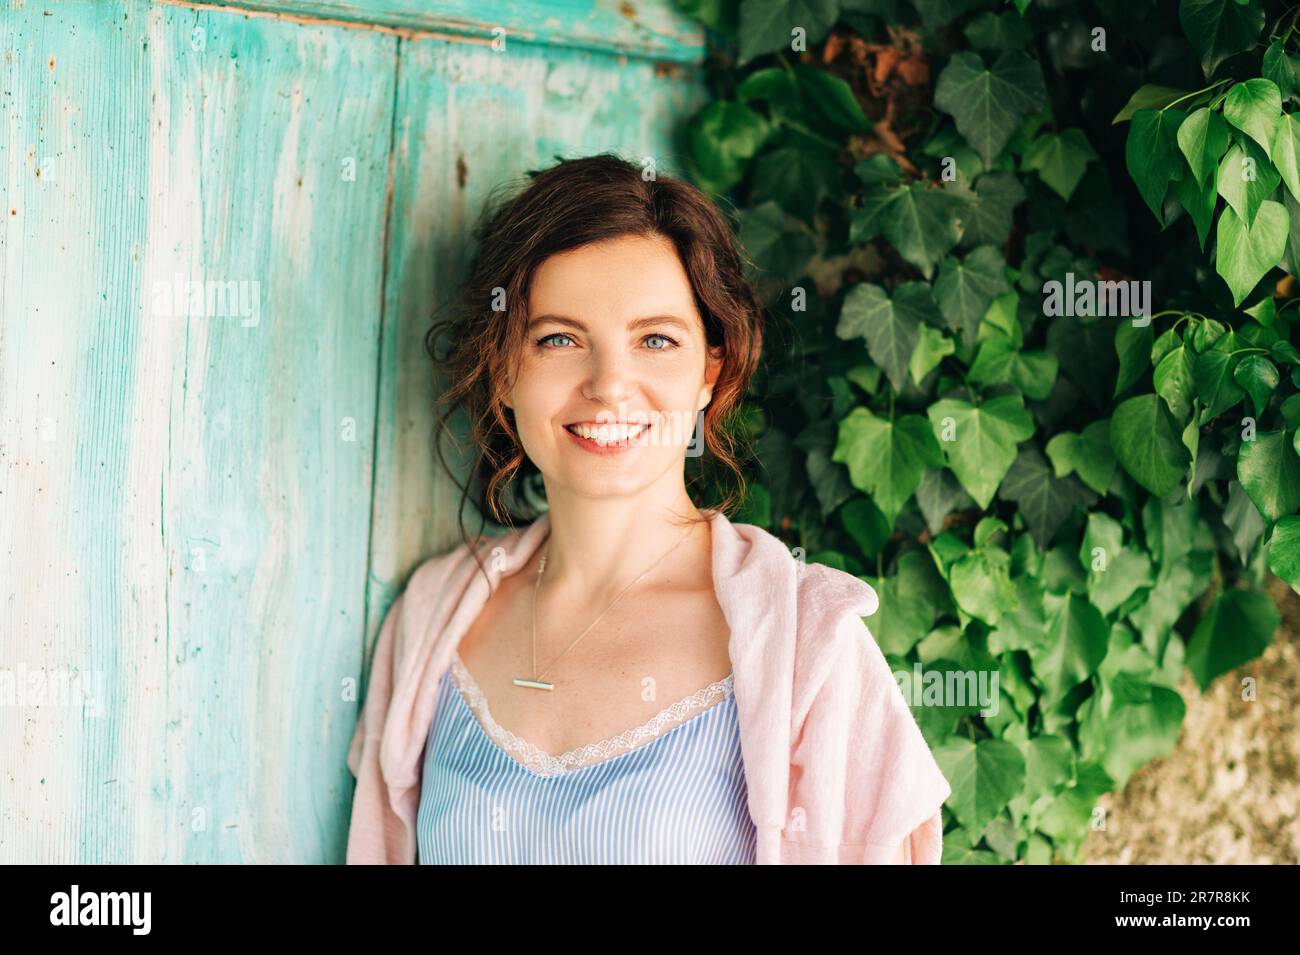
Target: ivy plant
1032	372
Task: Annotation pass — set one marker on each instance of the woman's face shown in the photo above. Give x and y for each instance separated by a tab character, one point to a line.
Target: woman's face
614	348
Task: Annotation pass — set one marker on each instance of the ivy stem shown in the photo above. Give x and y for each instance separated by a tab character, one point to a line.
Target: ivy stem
1196	93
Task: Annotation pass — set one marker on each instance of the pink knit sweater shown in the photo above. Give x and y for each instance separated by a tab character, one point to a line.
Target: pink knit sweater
836	768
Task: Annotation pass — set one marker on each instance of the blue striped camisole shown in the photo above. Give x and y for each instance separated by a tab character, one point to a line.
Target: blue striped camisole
673	790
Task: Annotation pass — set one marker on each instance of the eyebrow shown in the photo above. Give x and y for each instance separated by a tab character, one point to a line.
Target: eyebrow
549	319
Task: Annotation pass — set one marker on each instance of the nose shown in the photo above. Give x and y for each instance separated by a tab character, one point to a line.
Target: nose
609	377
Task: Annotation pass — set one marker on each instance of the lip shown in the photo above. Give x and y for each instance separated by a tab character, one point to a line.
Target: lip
608	450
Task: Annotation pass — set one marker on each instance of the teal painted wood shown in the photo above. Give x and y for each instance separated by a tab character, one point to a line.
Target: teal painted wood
184	504
187	488
470	119
657	30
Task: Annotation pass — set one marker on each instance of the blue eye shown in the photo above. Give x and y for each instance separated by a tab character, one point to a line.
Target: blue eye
672	343
542	341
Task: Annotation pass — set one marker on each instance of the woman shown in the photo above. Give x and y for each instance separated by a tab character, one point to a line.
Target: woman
629	678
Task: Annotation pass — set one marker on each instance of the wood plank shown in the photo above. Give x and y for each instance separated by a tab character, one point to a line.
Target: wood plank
183	502
655	29
468	120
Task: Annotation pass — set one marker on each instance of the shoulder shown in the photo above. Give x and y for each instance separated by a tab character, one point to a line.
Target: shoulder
832	605
827	606
438	583
820	591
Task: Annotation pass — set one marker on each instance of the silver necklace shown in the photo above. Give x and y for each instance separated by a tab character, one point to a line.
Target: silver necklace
537	683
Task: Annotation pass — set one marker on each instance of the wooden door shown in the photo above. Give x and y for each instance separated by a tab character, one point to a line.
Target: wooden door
224	230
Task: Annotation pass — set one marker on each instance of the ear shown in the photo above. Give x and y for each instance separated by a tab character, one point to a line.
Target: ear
712	368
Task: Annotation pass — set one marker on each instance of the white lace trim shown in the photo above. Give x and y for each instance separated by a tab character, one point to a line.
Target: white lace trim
546	764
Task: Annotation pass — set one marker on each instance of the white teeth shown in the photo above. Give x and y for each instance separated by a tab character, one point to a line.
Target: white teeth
607	433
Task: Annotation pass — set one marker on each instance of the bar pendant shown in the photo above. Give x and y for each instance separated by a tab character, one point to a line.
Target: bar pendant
535	684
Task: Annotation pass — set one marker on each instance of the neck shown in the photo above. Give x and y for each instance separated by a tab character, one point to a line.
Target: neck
598	546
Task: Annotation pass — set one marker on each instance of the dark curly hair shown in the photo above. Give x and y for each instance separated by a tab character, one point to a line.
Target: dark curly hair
571	204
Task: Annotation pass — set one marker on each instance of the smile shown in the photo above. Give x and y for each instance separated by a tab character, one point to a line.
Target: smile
607	435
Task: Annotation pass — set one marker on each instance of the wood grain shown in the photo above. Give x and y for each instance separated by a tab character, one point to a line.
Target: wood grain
222	238
184	515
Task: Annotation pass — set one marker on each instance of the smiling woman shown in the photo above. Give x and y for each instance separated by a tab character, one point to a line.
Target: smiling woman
517	715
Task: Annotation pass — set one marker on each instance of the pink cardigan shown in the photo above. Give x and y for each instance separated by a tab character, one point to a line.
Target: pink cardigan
836	767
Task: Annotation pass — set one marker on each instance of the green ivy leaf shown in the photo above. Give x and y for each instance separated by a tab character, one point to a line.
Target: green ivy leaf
868	527
938	496
999	361
1089	454
1215	385
984	440
920	222
1174	381
774	247
1278	68
1070	813
1284	551
1044	501
984	778
1085	349
1199	201
1147	443
1133	346
1137	733
866	377
1203	137
988	103
1241	516
910	600
1259	377
981	584
1254	107
1025	625
931	348
886	458
891	326
1292	260
1076	644
1236	629
1178	583
1286	151
965	287
879	168
1218	29
765	24
1246	179
1246	254
1114	571
1060	159
832	99
988	219
1151	154
1049	762
724	137
1269	469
